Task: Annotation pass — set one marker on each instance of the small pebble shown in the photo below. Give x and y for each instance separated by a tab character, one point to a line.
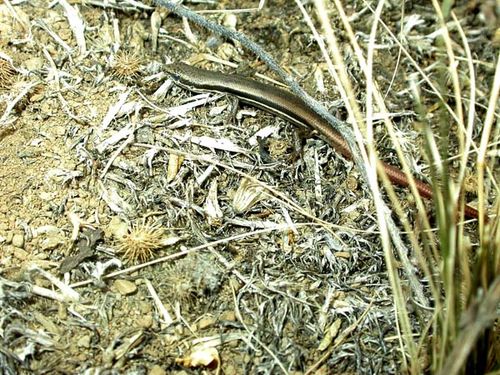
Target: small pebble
20	253
230	20
18	240
34	63
144	307
157	370
124	287
117	228
145	321
51	242
228	315
84	342
205	322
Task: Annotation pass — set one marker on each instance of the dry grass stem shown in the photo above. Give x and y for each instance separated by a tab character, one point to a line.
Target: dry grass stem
213	236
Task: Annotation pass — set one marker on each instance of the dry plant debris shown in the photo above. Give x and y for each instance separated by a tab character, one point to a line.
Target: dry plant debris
108	140
7	74
126	64
140	244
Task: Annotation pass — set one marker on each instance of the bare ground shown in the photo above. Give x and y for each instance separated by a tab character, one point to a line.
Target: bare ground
85	191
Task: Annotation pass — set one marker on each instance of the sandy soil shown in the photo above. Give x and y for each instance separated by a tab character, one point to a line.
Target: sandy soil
98	174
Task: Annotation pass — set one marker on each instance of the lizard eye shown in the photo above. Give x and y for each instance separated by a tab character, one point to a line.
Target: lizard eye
174	76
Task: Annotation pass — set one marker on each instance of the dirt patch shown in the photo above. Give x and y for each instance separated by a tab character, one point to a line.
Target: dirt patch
105	164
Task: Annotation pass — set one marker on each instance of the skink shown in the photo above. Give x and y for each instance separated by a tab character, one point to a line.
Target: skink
286	105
